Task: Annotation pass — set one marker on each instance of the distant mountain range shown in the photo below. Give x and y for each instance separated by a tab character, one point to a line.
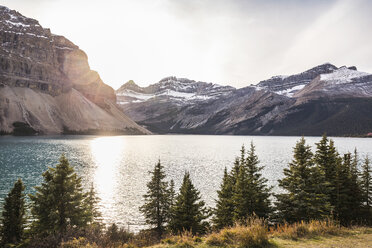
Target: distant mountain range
323	99
47	87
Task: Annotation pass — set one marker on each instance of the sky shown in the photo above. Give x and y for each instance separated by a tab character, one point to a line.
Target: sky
229	42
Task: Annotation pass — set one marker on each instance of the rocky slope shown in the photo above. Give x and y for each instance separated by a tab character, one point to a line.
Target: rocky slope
47	86
322	99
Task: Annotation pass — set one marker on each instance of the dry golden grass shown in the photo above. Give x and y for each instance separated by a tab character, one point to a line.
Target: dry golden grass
359	237
255	234
186	239
306	229
78	243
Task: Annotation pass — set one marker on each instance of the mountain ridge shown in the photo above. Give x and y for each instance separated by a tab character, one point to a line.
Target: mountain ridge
262	109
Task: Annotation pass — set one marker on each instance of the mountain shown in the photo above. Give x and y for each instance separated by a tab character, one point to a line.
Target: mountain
177	90
325	98
159	105
47	86
288	85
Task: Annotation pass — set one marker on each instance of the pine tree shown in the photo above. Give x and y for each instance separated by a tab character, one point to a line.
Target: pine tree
59	203
172	196
343	209
157	203
91	201
235	172
250	192
13	215
261	192
242	192
355	187
189	212
223	213
304	184
328	159
366	187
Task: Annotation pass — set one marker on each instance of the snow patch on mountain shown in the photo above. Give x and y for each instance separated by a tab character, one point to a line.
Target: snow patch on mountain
177	90
177	95
342	75
291	91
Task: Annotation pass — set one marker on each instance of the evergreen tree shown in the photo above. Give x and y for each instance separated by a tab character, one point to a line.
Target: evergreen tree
250	193
304	184
223	213
328	159
366	187
172	196
189	212
59	203
344	208
367	183
157	201
242	208
235	171
355	186
91	201
13	215
261	192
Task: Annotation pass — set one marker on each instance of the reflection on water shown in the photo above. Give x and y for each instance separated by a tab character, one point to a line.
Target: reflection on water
106	153
118	165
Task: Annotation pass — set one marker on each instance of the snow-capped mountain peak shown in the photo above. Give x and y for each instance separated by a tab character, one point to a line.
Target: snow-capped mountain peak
289	85
180	90
342	82
342	75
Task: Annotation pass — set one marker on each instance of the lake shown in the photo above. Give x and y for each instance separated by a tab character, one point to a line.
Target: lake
118	165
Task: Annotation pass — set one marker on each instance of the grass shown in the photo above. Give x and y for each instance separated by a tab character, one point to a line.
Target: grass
306	229
357	237
255	234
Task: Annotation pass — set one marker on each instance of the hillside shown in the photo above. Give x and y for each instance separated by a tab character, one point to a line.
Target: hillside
47	86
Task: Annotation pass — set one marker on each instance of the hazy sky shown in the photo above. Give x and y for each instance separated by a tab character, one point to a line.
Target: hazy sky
235	42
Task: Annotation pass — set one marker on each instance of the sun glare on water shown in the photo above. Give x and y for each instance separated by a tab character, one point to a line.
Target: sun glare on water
107	155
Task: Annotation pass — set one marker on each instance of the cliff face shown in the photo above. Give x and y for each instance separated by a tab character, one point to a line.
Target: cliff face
46	82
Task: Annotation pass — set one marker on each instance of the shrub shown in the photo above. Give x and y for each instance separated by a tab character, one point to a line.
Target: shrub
253	234
78	243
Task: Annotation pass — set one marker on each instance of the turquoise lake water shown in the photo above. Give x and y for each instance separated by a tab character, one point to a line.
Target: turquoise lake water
118	165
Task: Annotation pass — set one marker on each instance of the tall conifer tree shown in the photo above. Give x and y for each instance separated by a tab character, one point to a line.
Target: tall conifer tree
250	191
91	201
261	192
223	213
328	159
355	185
242	196
172	195
157	200
366	187
189	212
304	185
59	203
13	216
344	205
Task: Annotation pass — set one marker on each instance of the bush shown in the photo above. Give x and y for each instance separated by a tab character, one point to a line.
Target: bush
78	243
184	240
253	234
116	234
